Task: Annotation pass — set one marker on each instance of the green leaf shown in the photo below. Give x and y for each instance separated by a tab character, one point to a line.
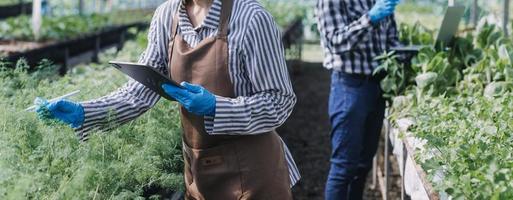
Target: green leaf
388	85
495	89
426	79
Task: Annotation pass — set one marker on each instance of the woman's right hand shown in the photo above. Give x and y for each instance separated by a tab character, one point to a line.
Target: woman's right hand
63	110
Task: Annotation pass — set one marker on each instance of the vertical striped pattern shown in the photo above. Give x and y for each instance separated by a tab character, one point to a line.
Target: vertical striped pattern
257	69
349	39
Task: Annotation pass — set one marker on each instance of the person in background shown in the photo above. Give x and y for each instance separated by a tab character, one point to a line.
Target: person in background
353	33
230	60
45	7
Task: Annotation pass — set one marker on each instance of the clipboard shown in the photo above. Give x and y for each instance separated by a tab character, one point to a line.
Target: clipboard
146	75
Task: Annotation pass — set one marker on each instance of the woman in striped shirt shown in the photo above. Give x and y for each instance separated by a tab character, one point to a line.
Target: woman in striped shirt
229	57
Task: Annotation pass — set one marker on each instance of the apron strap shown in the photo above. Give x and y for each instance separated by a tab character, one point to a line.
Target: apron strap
226	12
174	20
224	22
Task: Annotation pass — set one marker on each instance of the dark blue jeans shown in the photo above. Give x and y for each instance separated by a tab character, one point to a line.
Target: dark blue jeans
356	110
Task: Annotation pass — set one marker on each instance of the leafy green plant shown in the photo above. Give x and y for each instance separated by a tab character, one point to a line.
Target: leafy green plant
415	34
45	160
11	2
472	138
398	76
463	110
285	12
66	27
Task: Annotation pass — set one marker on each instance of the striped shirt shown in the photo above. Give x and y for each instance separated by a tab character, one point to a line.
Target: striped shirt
257	67
350	40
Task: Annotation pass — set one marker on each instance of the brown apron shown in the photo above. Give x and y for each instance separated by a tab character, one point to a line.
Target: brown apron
223	167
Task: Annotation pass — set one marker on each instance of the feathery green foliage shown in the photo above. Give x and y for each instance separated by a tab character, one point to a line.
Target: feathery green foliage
45	160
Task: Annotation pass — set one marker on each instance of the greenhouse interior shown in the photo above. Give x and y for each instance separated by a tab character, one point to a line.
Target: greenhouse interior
263	99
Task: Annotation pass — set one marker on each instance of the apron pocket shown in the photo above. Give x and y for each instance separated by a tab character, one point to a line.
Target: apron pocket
215	171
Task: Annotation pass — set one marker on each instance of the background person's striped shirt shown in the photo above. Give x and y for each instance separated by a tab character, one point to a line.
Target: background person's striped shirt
350	41
258	71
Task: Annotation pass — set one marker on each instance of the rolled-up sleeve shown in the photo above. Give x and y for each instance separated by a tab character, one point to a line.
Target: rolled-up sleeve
272	98
133	99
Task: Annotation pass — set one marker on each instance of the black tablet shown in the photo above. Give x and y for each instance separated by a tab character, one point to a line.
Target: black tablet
146	75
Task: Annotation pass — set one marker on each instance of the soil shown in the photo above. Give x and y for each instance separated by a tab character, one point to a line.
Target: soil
11	46
307	133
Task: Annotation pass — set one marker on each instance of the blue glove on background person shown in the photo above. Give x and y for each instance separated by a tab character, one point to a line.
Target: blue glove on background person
382	9
63	110
193	98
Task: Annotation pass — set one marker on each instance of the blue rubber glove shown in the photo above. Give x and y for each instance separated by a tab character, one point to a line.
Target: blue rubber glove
193	98
63	110
382	9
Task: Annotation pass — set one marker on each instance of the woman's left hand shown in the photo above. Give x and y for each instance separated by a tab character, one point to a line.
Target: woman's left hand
194	98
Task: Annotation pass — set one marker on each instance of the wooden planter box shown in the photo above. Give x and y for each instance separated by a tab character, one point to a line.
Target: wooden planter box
15	10
90	45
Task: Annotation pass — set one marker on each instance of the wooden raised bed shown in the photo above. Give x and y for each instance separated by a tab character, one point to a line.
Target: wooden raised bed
403	146
70	52
15	10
